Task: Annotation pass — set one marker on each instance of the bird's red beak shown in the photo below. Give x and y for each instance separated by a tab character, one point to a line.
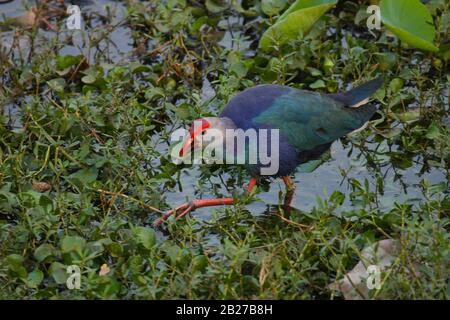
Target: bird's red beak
186	146
197	128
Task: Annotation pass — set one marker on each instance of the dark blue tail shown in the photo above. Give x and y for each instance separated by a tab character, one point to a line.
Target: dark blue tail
358	94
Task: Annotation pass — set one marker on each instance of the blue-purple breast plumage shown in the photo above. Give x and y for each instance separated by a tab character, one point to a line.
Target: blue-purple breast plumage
308	122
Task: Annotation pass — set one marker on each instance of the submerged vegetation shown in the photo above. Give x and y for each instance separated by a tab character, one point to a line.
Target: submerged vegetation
85	121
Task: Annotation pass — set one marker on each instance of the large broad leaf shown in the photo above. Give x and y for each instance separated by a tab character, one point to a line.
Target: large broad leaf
296	21
411	21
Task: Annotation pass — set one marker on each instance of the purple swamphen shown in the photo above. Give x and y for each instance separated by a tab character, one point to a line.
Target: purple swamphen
308	123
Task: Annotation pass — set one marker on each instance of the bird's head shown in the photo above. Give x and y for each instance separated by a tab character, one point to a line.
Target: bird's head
202	128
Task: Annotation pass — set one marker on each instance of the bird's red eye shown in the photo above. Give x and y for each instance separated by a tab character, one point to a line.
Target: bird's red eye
199	126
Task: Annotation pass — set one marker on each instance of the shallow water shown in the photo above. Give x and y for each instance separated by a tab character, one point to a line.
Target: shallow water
120	42
322	182
117	46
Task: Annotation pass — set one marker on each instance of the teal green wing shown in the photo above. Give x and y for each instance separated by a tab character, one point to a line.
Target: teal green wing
308	119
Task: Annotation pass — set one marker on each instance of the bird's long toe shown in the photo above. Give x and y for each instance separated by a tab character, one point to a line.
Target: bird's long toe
185	208
190	208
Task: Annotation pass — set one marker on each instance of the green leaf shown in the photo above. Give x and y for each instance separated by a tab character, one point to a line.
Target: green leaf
411	21
315	72
8	200
272	7
63	62
35	278
317	84
15	262
239	69
43	251
391	133
183	111
437	188
145	236
386	60
153	93
83	177
433	132
361	16
89	78
337	197
58	272
72	243
199	263
396	85
199	23
444	51
137	67
93	76
115	249
216	6
57	84
295	22
409	116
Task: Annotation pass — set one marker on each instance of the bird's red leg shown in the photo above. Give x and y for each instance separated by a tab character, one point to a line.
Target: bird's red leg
252	184
185	208
290	186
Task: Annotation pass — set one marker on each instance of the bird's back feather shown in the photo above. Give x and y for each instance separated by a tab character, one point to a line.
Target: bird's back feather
310	119
307	121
